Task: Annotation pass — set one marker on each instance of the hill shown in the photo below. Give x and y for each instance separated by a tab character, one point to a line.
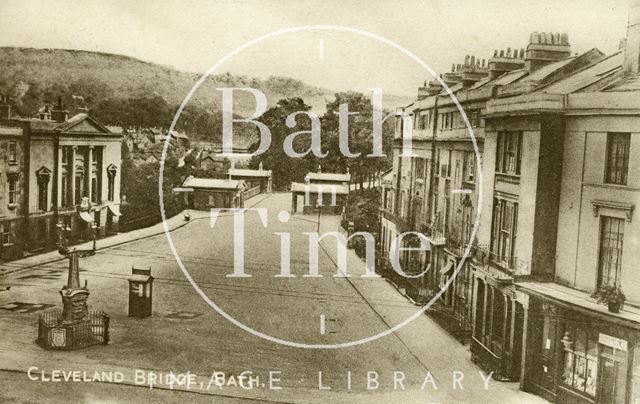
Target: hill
89	79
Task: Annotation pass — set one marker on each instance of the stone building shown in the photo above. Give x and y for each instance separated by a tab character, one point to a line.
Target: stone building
207	193
58	169
556	133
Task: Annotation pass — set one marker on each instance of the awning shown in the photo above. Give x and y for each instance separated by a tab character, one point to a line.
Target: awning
448	267
86	216
115	209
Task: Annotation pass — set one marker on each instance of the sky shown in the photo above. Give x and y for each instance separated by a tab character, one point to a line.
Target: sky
193	35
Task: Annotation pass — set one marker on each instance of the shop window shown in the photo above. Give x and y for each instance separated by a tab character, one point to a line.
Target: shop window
509	153
610	260
580	364
548	341
499	324
617	165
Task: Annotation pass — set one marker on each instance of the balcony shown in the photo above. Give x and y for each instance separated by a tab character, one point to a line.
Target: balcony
436	237
457	247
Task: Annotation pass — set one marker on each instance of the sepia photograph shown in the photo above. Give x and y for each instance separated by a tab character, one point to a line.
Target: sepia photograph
320	201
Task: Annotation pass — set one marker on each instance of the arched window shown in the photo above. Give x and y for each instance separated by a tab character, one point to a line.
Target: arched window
44	175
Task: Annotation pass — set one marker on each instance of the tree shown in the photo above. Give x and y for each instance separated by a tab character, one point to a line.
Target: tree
285	169
360	139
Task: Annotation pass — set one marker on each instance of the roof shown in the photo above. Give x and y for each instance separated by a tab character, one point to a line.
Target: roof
319	188
546	70
249	173
509	77
581	300
588	76
115	129
337	177
628	83
212	183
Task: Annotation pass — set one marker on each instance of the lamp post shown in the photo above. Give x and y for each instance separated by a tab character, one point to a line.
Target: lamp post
94	228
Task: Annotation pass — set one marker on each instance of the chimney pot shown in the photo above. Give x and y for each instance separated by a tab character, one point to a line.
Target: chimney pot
545	48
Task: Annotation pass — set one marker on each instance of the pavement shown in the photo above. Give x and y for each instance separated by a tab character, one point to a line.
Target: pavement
420	362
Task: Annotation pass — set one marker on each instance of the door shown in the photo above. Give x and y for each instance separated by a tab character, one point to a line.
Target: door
611	376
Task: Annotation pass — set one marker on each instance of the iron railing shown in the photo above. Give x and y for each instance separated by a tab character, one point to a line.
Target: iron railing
435	235
53	333
251	192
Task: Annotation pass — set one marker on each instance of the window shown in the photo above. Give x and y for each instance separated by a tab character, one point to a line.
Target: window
617	165
43	191
422	120
505	218
509	152
580	365
12	152
5	233
447	120
79	187
65	155
610	260
64	197
13	189
469	167
467	220
474	118
94	190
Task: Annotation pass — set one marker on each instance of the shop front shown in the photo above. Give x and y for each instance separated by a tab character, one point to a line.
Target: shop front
499	318
576	355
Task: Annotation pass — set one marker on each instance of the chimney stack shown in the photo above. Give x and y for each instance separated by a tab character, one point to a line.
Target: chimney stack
58	113
5	108
545	48
632	46
503	62
423	91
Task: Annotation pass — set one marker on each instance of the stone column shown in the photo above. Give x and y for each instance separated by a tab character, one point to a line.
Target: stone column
474	305
74	149
58	185
89	166
523	360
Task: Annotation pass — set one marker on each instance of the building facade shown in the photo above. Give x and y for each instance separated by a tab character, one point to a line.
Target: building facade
57	170
556	134
208	193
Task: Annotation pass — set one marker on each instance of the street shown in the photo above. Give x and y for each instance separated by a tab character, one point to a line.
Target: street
419	362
